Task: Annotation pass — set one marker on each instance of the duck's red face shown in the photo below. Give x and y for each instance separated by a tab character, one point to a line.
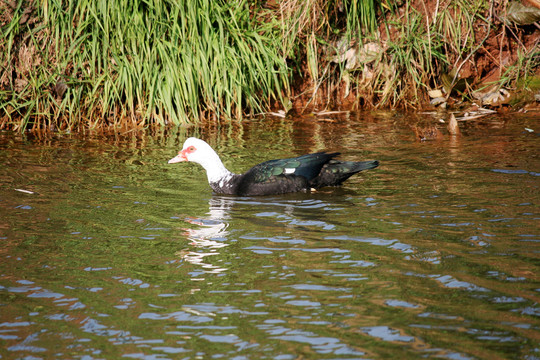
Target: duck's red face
183	155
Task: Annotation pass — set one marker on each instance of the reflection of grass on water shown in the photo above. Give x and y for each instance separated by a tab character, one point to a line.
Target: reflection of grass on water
92	64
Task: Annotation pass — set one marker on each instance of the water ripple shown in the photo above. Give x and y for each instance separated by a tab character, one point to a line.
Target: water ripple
387	334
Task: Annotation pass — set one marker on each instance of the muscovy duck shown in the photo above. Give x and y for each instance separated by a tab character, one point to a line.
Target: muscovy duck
272	177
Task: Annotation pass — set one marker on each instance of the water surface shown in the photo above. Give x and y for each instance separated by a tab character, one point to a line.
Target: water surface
109	252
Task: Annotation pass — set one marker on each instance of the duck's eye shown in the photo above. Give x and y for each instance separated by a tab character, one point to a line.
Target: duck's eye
191	148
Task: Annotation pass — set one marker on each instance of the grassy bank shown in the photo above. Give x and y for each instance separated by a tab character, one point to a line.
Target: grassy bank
92	64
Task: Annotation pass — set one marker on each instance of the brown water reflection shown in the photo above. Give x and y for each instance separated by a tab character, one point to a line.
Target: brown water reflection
115	253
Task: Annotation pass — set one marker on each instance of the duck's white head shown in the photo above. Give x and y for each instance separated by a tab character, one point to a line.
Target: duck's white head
197	150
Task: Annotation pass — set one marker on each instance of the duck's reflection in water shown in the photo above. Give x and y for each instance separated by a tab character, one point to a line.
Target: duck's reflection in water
210	237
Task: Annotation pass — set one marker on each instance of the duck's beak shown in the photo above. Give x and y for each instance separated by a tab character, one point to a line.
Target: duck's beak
178	158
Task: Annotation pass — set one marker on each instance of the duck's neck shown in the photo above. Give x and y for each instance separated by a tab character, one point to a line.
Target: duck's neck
215	170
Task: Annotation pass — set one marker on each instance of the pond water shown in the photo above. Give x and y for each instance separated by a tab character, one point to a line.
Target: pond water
109	252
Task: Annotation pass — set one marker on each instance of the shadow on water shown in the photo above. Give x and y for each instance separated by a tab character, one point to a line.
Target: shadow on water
109	252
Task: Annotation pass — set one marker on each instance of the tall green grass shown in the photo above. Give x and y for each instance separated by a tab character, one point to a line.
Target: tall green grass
138	62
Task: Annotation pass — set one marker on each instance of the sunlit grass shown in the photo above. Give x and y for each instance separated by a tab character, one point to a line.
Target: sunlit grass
141	62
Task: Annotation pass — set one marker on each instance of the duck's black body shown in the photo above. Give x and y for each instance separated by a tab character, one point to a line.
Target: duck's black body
312	171
302	173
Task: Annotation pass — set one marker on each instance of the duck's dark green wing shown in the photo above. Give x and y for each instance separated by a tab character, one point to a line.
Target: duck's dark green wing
307	166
